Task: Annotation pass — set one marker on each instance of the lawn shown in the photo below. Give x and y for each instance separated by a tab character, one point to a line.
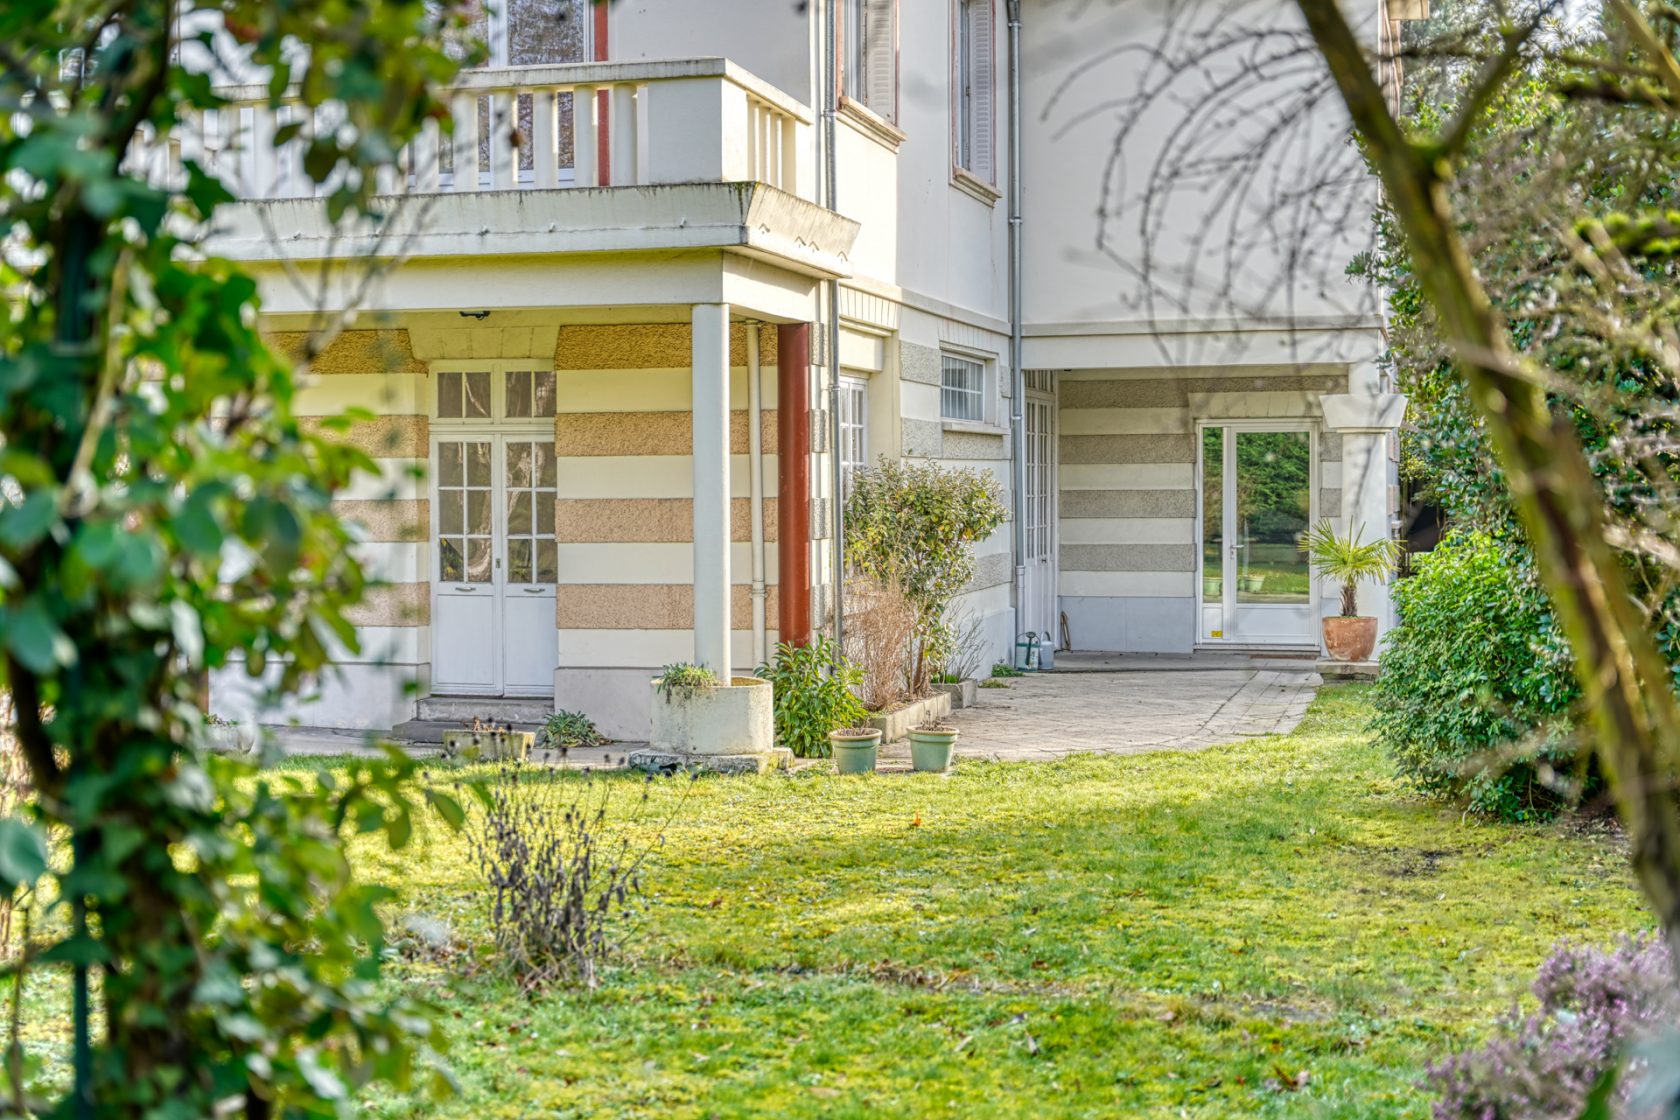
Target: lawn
1173	934
1167	935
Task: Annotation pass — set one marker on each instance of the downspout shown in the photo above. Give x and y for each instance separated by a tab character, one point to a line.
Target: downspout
1017	376
755	490
831	192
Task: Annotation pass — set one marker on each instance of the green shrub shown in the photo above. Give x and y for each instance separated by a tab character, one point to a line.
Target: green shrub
564	730
685	680
1477	682
813	695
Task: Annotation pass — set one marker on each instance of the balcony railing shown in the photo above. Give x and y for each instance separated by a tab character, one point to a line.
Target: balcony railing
702	120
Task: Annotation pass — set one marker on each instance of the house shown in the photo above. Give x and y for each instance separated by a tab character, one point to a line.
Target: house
621	367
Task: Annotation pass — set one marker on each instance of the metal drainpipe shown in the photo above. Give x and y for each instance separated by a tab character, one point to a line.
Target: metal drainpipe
831	177
1018	378
755	490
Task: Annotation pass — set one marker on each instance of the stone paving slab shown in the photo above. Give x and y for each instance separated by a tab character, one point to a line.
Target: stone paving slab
1052	715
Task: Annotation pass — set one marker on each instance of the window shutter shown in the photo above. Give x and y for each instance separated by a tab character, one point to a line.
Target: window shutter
982	40
880	29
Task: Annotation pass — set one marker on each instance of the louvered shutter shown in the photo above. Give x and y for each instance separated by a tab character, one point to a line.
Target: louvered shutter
880	48
983	68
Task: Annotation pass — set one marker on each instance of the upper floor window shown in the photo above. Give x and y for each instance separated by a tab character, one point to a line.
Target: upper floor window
962	389
974	53
869	55
495	391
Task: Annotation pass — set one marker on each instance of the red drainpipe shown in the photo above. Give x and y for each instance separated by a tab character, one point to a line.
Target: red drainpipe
793	482
603	138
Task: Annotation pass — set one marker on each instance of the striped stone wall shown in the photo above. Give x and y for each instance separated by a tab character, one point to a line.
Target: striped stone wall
375	370
624	512
1127	530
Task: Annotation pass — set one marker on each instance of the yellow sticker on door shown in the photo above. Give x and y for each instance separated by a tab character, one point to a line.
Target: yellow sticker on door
1218	633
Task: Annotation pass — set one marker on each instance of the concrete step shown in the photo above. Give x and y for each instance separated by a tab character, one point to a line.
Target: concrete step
462	710
429	732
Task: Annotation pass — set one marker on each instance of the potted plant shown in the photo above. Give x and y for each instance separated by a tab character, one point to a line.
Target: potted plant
1343	559
701	717
931	745
854	749
1213	586
1252	583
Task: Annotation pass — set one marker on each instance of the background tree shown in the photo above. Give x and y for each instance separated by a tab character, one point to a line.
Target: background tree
163	513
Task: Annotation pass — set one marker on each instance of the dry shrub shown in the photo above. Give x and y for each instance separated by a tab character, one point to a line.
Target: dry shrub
880	641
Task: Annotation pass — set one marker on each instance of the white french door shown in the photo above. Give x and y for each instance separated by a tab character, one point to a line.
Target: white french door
494	564
1039	592
1255	583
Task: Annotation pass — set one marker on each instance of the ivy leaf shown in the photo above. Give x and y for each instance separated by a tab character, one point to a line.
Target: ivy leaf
35	639
23	854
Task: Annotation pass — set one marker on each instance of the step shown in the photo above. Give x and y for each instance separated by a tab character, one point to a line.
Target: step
462	710
428	732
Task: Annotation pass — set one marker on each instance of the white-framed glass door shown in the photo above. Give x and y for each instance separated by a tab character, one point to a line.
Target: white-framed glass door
494	553
1039	591
1256	499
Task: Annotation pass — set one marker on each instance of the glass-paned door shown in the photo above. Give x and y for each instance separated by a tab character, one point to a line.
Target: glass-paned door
1040	507
1256	505
854	430
495	565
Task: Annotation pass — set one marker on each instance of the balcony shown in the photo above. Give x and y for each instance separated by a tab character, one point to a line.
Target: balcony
684	154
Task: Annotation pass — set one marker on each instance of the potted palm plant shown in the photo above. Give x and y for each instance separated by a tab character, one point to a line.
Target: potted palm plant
1342	558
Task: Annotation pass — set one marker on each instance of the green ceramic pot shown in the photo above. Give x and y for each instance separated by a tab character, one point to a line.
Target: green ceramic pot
854	753
930	751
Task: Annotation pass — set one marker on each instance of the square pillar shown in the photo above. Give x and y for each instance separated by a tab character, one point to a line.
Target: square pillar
1367	417
710	383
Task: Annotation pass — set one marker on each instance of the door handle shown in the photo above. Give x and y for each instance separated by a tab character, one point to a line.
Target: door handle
535	590
458	587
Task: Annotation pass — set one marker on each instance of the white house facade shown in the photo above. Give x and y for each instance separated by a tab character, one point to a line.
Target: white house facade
684	265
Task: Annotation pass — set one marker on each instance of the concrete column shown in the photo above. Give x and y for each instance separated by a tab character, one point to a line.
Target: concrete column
711	487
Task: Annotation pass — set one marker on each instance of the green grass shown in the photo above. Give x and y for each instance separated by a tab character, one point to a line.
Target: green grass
1155	935
1159	935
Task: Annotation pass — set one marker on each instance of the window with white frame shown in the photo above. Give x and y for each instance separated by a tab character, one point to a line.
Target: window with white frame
503	390
869	55
962	389
854	430
972	120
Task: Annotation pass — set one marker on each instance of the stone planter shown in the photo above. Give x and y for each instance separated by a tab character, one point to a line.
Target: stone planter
854	750
963	694
930	748
896	724
1252	584
488	746
232	738
723	728
1213	586
1350	639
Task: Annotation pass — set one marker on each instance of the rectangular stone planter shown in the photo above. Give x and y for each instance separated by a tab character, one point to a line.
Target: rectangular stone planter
487	746
963	694
721	728
896	724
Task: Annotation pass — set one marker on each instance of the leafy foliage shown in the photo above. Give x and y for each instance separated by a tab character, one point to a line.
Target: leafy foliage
165	513
685	680
1477	681
914	524
1343	559
564	730
1598	1010
813	695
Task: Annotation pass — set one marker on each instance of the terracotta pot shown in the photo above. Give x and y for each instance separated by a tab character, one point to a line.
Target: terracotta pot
1350	639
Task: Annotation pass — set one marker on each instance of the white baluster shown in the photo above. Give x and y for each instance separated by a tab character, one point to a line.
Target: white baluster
623	136
789	150
503	156
585	173
545	139
262	151
463	107
424	160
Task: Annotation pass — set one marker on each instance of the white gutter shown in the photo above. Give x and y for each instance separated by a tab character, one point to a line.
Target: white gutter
1018	379
755	490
